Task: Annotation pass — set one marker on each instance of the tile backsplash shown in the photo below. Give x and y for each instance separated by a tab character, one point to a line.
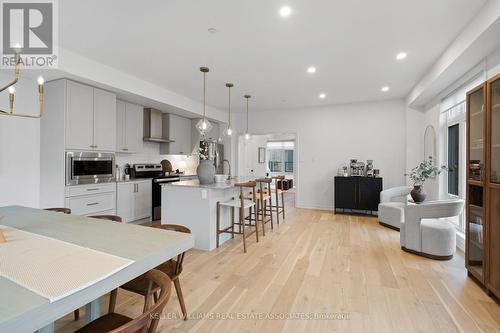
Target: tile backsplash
151	154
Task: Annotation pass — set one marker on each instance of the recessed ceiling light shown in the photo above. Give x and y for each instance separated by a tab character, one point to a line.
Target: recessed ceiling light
212	30
401	55
385	89
285	11
322	96
311	70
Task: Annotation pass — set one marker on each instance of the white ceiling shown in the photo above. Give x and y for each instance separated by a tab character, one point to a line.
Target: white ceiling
353	44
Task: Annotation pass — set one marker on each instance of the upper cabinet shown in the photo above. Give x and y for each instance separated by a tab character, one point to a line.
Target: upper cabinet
79	116
90	118
129	126
177	129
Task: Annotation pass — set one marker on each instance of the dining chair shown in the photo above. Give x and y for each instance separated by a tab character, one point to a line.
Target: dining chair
59	210
241	204
114	218
76	313
173	268
112	322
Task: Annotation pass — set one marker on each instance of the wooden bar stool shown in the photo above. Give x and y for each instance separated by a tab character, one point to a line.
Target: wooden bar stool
173	268
273	189
241	204
263	199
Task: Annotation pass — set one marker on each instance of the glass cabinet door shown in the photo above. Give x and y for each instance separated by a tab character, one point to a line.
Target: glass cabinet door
475	236
495	131
477	118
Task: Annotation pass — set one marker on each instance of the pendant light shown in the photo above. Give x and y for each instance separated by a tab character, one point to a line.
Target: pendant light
204	125
247	134
229	130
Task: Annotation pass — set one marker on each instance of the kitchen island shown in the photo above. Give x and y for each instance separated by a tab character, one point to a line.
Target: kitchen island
193	205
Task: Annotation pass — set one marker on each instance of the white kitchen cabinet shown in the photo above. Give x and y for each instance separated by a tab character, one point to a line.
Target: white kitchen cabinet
79	116
129	118
90	118
125	203
91	199
134	200
143	200
178	129
104	120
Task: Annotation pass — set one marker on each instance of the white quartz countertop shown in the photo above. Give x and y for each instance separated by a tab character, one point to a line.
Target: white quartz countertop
196	183
216	186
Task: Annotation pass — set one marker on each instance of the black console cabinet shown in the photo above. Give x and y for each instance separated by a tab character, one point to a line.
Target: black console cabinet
357	193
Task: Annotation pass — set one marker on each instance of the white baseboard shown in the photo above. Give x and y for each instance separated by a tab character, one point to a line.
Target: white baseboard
312	206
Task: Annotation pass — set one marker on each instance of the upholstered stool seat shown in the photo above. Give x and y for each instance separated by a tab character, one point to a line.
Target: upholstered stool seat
438	237
237	203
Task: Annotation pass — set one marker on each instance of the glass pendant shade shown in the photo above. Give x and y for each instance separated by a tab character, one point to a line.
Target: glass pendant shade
247	136
204	126
229	131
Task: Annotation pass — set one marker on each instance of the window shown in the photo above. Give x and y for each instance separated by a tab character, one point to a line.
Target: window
453	154
280	156
453	159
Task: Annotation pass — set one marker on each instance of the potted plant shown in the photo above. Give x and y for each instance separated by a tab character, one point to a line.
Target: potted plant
206	167
419	174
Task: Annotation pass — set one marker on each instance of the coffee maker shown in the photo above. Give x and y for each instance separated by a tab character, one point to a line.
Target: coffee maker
357	168
369	168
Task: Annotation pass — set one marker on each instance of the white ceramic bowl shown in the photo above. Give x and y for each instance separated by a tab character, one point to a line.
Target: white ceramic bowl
220	178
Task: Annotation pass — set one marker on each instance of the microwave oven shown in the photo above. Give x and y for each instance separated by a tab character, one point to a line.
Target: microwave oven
89	168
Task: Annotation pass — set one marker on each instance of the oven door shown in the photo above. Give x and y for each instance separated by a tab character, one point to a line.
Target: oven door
89	168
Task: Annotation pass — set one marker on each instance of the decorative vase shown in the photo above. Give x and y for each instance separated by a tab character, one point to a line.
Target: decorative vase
206	172
418	194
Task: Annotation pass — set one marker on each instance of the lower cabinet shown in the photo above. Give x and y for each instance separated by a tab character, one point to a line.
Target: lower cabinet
134	201
94	199
357	193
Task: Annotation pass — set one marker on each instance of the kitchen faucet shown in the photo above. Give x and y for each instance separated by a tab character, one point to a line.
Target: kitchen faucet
229	165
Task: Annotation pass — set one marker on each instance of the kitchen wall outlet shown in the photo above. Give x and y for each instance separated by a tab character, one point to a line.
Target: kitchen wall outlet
203	194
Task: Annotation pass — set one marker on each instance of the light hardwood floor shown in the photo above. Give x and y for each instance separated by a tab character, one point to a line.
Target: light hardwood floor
318	262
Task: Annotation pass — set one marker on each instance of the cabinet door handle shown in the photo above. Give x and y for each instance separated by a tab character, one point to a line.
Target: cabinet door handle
359	195
92	189
92	204
125	149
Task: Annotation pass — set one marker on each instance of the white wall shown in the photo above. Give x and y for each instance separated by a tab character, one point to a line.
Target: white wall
328	137
20	147
248	161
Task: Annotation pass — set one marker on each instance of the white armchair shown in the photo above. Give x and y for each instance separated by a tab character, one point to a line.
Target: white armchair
428	232
391	207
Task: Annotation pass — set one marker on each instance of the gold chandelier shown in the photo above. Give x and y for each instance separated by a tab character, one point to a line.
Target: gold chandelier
12	90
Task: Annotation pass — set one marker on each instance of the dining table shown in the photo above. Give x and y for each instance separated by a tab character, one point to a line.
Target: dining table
136	248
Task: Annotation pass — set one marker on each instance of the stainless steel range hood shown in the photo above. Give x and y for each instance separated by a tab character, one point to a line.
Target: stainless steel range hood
153	126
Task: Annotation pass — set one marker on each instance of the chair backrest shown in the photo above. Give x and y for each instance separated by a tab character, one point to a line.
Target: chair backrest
114	218
148	320
277	179
177	228
59	210
263	187
251	184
